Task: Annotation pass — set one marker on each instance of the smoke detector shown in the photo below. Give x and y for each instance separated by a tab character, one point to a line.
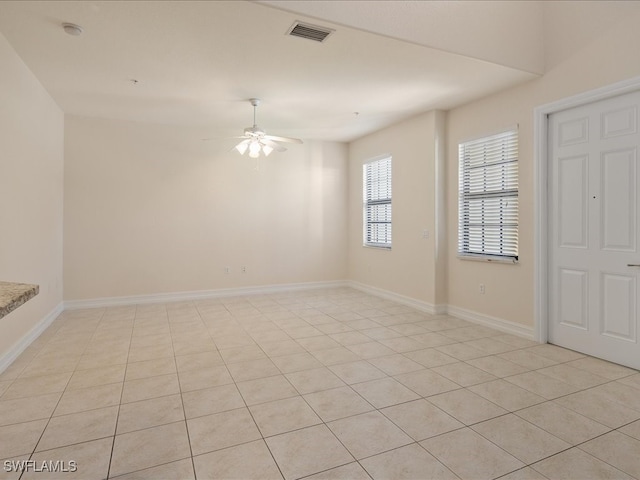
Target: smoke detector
72	29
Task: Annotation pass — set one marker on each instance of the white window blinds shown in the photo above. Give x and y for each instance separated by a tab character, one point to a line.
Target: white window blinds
377	203
488	202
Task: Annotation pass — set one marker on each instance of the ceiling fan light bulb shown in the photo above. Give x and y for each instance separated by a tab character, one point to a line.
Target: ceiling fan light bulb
254	149
241	148
266	149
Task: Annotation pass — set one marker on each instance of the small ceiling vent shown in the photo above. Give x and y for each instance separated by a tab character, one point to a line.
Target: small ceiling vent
310	32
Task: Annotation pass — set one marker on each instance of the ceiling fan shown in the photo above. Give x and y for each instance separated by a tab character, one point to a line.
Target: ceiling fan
255	140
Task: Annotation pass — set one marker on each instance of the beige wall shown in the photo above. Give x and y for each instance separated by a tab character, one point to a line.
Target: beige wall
409	268
153	209
31	182
430	271
608	57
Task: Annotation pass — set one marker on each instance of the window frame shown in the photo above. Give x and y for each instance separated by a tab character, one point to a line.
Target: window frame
382	240
493	192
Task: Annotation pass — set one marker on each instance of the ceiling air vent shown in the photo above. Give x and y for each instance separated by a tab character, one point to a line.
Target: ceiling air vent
311	32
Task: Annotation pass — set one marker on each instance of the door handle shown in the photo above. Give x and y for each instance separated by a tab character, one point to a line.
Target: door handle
633	265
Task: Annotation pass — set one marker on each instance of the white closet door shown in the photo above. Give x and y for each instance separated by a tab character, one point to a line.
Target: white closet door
594	261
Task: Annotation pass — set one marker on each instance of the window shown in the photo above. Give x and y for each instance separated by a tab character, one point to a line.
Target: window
377	203
488	203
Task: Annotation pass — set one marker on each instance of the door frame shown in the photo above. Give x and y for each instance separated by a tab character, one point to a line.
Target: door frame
541	177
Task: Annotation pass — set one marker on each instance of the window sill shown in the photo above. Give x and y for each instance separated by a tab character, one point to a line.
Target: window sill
488	259
377	247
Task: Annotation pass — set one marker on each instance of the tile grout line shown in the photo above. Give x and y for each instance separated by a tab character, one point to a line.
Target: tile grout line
184	412
338	306
124	379
35	447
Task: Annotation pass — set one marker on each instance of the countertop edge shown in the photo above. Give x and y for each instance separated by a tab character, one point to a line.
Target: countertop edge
13	295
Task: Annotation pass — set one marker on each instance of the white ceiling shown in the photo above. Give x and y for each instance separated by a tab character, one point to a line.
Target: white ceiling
197	63
502	32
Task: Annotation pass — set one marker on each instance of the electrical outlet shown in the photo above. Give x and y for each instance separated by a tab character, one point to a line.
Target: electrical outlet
243	269
481	288
425	233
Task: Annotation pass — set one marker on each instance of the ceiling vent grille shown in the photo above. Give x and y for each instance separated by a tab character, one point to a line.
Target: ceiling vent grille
310	32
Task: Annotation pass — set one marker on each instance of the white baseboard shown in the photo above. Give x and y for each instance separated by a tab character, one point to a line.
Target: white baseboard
402	299
198	295
471	316
15	351
493	322
461	313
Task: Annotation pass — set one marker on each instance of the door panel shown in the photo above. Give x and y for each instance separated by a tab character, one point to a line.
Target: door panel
573	205
573	296
618	202
619	122
594	287
573	131
618	298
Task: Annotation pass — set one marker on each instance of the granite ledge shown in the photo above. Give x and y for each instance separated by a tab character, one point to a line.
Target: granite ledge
12	295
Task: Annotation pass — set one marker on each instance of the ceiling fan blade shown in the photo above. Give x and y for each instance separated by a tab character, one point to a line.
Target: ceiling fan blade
223	138
274	145
283	139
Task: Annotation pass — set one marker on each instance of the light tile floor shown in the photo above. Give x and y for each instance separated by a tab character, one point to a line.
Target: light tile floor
319	384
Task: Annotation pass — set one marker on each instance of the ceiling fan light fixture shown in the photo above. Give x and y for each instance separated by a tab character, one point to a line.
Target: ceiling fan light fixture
266	149
242	147
254	149
256	140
